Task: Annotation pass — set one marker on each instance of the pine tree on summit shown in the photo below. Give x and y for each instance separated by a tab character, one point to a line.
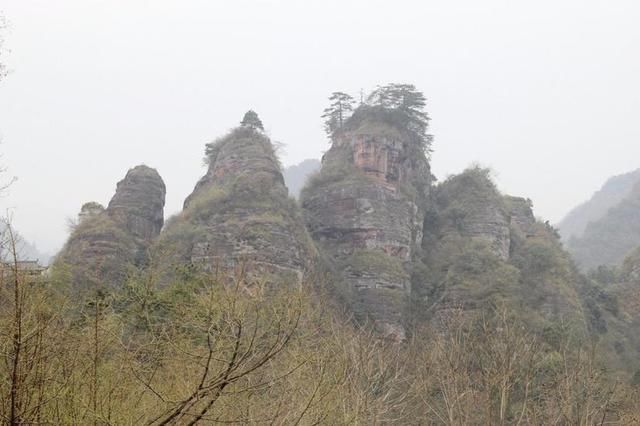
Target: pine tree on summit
252	120
409	103
338	112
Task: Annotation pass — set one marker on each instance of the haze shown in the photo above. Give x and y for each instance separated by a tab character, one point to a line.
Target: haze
545	93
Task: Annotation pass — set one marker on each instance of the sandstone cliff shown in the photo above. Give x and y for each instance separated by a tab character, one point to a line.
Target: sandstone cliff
240	213
107	242
365	210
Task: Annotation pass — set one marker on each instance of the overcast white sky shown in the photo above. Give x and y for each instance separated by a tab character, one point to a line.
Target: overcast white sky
547	93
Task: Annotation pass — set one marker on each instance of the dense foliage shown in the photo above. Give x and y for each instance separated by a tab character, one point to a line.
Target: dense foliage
252	120
400	105
207	348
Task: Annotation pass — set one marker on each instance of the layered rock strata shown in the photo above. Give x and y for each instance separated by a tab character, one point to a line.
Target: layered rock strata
106	243
364	210
239	214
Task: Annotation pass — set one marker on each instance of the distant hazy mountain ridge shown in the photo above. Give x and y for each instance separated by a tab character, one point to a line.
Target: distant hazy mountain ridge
603	230
295	176
612	192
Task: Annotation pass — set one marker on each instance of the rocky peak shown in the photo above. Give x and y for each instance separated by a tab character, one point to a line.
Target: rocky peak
364	208
244	154
138	204
239	212
107	242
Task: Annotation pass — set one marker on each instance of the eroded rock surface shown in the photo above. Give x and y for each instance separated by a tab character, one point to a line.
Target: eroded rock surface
138	204
521	216
240	214
471	207
107	243
364	210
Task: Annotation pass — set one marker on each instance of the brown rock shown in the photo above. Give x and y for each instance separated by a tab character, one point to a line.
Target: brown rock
363	209
240	213
107	243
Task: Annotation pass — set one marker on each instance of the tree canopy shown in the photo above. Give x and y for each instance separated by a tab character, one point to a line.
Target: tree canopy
337	112
401	104
252	120
409	103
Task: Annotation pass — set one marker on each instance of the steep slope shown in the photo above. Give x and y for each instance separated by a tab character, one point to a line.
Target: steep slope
484	250
240	213
106	243
614	295
365	210
608	240
612	192
296	176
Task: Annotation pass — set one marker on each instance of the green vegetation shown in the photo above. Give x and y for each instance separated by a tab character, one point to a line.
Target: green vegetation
461	267
400	106
240	210
206	349
337	113
98	251
252	120
338	170
376	262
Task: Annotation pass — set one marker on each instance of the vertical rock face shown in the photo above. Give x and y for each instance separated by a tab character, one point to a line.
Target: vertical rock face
239	212
363	210
521	215
107	242
138	204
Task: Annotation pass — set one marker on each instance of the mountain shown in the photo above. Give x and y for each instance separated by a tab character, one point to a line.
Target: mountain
408	251
607	239
296	176
482	249
612	192
365	210
378	298
239	214
106	243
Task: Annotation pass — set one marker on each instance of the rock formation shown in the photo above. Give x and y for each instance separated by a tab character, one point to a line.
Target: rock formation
470	206
240	213
107	242
364	209
483	249
521	218
138	203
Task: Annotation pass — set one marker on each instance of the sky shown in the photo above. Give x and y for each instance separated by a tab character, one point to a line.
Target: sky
545	93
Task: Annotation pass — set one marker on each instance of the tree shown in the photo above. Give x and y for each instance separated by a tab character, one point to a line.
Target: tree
251	120
409	103
338	111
